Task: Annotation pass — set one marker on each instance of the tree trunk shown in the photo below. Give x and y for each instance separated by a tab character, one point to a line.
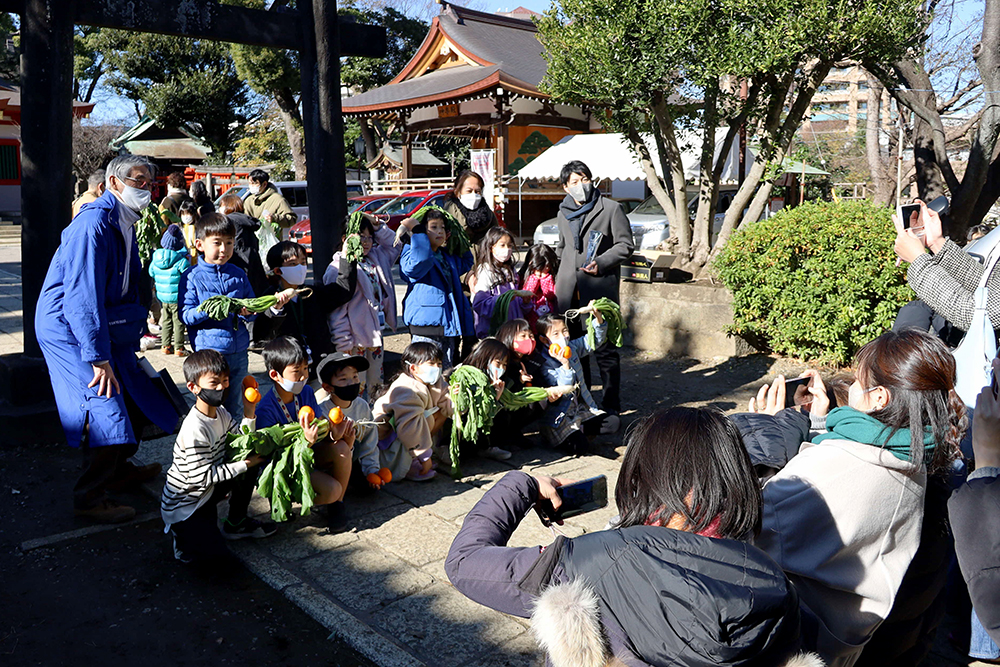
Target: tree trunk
776	137
883	183
656	186
679	221
706	184
292	118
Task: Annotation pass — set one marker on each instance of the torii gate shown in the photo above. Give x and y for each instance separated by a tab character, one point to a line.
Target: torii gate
313	29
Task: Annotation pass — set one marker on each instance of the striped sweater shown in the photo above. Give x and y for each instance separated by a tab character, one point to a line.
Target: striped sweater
198	464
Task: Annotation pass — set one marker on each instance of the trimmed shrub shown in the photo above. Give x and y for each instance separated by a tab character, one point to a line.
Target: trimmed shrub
815	282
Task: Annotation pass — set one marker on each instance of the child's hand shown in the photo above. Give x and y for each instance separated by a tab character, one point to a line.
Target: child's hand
597	313
284	296
351	434
245	313
339	431
374	481
311	431
498	385
525	377
254	460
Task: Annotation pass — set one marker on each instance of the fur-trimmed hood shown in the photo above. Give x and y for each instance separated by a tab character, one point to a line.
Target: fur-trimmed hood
566	622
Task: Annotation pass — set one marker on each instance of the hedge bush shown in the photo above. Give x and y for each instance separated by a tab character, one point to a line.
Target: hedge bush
815	282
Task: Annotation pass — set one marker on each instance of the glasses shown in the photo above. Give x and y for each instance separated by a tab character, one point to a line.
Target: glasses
143	182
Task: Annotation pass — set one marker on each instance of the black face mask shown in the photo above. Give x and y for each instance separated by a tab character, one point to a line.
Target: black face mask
347	393
214	397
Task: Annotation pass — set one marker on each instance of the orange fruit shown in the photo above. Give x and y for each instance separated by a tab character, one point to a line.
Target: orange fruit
308	412
251	395
374	479
250	381
385	474
554	349
336	415
567	352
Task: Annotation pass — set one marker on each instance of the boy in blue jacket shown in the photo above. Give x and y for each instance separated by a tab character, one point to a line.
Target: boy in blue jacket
170	260
215	236
435	308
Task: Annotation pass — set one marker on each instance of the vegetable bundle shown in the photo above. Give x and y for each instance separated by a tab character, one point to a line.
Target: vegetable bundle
352	246
475	406
458	239
516	400
220	306
501	310
149	228
286	478
612	314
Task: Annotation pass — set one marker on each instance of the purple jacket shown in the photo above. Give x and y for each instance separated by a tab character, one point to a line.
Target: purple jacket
663	596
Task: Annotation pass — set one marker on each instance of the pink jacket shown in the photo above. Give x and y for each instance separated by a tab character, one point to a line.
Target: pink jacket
544	289
356	322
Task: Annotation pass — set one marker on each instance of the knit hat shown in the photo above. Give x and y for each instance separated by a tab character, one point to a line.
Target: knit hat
173	238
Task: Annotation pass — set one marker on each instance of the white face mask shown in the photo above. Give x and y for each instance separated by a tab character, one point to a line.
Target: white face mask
470	200
187	219
292	387
581	191
561	341
496	372
255	189
135	198
501	254
428	374
294	275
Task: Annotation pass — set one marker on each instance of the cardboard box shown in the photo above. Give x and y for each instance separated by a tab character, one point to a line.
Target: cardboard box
661	268
638	270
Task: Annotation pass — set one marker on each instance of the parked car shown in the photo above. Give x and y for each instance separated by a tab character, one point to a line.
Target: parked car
628	204
297	195
548	231
650	225
301	232
409	203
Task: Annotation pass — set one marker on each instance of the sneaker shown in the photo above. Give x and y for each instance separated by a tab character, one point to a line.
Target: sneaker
496	453
336	515
107	511
181	352
134	476
168	350
611	424
247	528
149	343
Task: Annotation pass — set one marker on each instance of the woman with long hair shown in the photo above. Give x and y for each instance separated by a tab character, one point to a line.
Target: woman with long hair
677	582
843	518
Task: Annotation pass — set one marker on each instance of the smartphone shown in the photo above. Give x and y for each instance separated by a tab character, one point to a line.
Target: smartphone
905	211
577	498
797	392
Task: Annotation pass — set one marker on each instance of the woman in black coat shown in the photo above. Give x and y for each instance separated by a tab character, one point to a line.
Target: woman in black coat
677	583
580	279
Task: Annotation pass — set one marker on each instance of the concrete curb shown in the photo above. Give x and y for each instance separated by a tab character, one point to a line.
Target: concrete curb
341	623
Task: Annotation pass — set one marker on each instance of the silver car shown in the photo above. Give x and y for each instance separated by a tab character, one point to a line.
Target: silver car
649	224
547	233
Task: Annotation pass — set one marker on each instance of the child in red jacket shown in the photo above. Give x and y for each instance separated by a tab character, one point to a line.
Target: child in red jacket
538	277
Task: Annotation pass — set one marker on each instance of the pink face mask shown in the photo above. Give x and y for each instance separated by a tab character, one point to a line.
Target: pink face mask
524	347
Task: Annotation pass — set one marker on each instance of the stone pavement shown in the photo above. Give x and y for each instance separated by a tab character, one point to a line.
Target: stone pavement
381	586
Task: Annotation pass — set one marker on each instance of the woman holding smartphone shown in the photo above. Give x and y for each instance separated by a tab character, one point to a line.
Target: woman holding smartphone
677	582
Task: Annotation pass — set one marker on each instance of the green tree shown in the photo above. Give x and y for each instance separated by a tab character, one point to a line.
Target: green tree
177	80
265	142
275	74
672	69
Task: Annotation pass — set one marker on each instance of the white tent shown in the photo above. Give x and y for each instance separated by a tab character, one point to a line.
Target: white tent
611	158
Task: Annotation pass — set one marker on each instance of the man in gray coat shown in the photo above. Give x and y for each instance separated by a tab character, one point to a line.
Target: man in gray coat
587	272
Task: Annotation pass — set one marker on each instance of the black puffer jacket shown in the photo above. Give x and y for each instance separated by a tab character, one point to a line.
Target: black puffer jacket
771	440
246	252
646	595
975	517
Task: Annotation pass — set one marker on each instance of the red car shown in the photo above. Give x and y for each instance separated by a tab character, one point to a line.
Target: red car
409	203
301	232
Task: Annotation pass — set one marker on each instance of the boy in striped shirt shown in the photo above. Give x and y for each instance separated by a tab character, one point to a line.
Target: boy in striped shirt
199	476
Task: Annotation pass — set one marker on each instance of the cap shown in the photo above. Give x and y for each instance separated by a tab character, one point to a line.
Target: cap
337	359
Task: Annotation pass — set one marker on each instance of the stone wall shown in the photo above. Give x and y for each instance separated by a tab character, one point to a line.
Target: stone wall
682	319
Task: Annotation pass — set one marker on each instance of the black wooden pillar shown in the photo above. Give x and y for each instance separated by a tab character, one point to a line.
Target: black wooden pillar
47	144
324	127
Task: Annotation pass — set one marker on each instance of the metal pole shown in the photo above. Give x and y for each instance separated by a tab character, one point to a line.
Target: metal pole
743	137
46	145
324	127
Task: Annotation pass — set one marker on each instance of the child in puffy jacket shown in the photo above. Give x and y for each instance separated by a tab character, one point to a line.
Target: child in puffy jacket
538	277
170	260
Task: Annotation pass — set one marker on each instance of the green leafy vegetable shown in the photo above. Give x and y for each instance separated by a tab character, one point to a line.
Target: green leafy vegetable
501	310
475	407
220	306
149	228
353	251
612	314
515	400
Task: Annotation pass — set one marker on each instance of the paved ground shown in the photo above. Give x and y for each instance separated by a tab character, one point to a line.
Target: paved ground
381	587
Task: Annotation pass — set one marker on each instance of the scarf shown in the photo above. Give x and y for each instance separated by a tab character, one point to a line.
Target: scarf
846	423
576	213
478	219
